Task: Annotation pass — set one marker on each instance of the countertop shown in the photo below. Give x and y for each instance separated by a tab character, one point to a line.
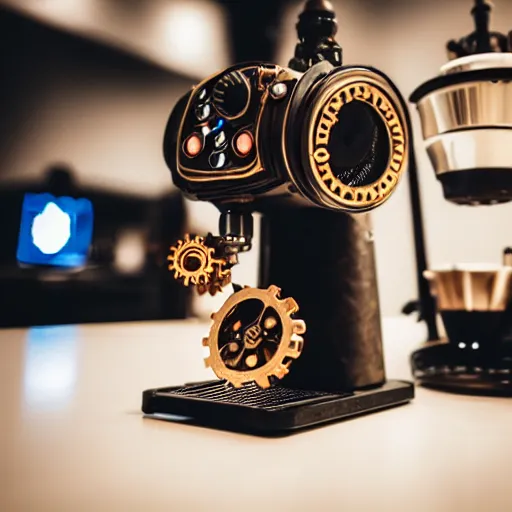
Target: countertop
73	437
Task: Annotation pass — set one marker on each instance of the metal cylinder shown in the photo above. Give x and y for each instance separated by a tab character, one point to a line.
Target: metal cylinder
325	261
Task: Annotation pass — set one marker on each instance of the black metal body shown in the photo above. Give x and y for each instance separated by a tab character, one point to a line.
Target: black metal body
325	260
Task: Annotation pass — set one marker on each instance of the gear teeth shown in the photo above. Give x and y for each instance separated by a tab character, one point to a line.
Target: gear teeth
295	347
290	305
193	247
299	326
281	371
263	382
274	290
276	365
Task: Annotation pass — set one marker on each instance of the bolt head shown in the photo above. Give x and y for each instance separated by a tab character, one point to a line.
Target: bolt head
278	91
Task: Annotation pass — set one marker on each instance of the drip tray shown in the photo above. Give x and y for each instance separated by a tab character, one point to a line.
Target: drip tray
277	410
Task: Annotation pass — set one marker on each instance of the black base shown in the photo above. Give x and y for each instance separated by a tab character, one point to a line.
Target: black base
460	368
277	410
477	186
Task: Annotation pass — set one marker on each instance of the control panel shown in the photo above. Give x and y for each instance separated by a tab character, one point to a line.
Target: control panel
218	136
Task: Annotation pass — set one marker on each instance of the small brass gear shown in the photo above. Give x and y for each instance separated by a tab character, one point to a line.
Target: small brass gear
221	278
254	338
192	261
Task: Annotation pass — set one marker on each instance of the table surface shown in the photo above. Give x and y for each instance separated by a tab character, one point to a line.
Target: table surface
72	437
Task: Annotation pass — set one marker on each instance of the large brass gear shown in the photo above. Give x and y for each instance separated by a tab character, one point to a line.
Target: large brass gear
254	338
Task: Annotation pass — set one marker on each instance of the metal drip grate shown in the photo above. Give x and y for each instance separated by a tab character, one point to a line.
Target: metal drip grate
274	411
253	396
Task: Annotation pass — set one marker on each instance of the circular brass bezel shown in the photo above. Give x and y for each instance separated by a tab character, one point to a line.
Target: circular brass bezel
372	89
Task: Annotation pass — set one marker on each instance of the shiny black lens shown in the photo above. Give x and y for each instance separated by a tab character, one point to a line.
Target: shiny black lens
359	145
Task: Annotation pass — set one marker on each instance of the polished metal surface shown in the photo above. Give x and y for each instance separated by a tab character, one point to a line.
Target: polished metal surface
466	105
477	62
469	125
471	149
471	288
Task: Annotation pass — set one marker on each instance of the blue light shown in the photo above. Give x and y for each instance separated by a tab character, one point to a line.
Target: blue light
220	124
51	229
55	231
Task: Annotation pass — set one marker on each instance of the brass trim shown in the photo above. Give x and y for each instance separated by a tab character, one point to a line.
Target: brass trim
466	105
471	149
365	86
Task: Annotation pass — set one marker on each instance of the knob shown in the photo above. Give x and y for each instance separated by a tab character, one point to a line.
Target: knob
231	95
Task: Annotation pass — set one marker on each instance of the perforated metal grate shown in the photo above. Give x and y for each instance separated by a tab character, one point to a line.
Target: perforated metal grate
253	396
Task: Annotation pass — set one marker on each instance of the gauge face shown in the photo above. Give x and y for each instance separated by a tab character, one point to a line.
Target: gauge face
231	95
357	140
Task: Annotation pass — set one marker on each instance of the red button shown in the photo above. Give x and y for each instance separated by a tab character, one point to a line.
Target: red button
244	143
193	145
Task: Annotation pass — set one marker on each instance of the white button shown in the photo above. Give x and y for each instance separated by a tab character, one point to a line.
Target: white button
217	160
220	139
203	112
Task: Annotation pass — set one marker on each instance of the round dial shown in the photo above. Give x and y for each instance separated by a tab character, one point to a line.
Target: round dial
231	95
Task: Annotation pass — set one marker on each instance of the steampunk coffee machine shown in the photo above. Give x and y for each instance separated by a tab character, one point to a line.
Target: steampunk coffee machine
314	147
466	115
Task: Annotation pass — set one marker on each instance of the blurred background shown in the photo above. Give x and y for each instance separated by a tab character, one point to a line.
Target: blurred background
86	90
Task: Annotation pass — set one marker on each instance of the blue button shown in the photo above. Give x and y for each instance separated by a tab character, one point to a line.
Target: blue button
55	231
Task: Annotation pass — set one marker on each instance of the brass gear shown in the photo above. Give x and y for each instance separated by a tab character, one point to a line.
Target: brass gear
192	261
220	279
254	338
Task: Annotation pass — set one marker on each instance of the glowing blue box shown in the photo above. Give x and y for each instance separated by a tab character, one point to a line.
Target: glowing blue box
55	231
